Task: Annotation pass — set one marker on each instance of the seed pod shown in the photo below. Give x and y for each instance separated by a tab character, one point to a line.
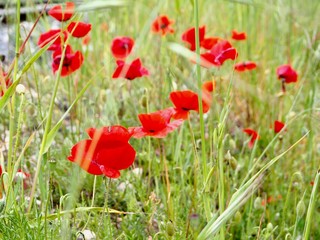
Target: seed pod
269	227
143	101
301	209
170	228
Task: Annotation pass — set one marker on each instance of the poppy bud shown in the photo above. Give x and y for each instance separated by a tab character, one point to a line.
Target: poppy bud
20	89
144	101
228	156
301	208
233	163
170	228
269	227
237	217
232	144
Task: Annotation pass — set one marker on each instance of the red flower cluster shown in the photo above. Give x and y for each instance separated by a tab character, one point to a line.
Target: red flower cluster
106	152
121	47
162	25
57	37
156	124
189	36
218	54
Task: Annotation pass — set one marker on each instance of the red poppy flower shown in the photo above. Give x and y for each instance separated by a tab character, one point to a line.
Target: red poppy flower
60	14
86	39
162	25
220	52
287	74
106	152
238	35
254	136
209	86
189	37
46	37
121	47
79	29
130	71
243	66
185	101
71	62
207	89
278	126
156	124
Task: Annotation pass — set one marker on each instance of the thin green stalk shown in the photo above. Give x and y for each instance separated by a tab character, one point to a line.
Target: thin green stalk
12	105
199	83
46	130
311	207
19	124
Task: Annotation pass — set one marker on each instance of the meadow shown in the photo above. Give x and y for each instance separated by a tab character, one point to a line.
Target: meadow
146	119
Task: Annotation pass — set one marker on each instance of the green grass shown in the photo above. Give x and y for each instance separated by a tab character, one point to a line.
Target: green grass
201	181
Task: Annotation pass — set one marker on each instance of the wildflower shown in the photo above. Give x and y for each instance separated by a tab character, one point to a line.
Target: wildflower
278	126
60	14
130	71
71	62
121	47
244	66
162	25
189	36
86	40
207	88
238	35
47	37
79	29
106	152
185	101
287	75
220	52
156	124
254	136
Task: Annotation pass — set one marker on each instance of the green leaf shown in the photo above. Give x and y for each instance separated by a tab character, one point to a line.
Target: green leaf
5	98
55	129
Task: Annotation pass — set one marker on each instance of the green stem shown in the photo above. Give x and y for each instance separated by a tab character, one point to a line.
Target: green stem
47	129
199	83
311	207
12	105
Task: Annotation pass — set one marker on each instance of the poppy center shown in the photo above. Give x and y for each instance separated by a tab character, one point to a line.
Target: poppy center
66	61
163	25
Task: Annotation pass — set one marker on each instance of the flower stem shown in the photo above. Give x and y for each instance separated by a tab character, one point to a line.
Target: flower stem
199	82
